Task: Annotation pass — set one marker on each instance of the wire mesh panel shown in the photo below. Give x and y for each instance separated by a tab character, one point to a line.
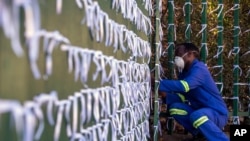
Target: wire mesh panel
75	70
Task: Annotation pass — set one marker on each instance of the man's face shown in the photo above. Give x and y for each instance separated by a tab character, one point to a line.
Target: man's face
179	58
180	51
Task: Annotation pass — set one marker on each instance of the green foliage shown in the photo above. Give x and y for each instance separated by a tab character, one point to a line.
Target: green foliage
212	38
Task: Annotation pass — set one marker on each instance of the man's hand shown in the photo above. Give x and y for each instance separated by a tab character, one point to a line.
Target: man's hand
162	94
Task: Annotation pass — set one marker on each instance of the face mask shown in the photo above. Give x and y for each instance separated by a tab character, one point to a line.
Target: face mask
179	62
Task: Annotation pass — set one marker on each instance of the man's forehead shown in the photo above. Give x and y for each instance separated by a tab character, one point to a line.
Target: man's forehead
180	49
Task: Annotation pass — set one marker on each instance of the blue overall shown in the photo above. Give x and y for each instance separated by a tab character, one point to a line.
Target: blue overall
196	103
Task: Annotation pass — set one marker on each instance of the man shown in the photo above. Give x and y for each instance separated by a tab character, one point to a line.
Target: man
194	100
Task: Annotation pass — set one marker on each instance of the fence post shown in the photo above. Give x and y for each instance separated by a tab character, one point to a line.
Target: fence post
220	44
187	14
235	51
157	67
204	31
171	39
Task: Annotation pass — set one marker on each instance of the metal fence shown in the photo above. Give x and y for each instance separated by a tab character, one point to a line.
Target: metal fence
75	70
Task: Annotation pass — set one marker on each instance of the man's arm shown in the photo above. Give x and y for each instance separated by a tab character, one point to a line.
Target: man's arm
192	81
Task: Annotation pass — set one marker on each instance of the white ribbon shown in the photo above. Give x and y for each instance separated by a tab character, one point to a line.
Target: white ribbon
219	51
89	105
96	106
68	116
221	88
235	7
57	130
219	7
59	6
29	121
187	3
50	100
17	112
9	21
234	51
83	108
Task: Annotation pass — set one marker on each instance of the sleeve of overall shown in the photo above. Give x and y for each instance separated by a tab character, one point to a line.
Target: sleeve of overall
195	79
192	81
171	86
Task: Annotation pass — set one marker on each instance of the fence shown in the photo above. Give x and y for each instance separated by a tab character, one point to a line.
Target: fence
79	69
220	29
74	70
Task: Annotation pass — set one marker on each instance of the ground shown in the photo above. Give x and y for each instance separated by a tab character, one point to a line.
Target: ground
176	137
177	133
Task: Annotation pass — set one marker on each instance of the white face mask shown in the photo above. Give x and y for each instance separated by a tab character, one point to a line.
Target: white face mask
179	62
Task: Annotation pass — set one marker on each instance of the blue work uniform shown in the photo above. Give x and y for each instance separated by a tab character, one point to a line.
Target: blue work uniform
196	103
